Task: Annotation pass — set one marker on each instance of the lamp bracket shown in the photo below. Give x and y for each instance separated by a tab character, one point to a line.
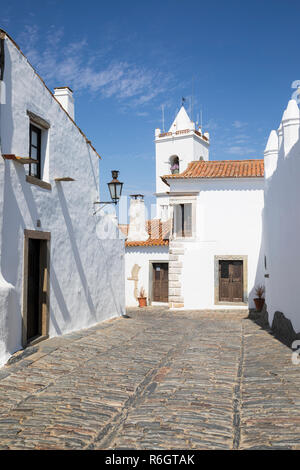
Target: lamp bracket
104	203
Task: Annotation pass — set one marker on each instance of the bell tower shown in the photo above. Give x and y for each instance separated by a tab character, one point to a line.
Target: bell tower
174	150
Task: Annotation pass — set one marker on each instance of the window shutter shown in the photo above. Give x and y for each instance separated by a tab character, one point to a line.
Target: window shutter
187	220
178	220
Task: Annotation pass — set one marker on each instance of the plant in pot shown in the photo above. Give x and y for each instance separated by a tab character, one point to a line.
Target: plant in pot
259	300
175	168
142	298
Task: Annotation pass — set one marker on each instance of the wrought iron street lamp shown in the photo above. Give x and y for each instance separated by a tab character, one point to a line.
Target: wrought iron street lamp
115	190
115	187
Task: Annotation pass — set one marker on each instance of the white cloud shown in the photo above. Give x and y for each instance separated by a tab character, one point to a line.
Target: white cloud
241	139
239	150
74	64
211	125
239	124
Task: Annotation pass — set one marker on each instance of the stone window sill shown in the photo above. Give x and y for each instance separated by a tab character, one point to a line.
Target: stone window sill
38	182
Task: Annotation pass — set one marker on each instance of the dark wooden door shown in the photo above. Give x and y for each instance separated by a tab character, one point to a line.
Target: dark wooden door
231	281
160	282
37	286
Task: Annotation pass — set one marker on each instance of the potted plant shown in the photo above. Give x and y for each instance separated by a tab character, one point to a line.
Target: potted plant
259	300
142	298
175	168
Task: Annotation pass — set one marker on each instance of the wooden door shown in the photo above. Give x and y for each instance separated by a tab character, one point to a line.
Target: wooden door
160	282
231	281
37	287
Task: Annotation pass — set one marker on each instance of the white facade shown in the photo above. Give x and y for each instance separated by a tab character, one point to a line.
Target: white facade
138	270
282	218
226	224
86	270
182	141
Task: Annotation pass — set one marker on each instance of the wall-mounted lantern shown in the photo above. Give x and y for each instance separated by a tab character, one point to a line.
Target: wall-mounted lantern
115	187
115	190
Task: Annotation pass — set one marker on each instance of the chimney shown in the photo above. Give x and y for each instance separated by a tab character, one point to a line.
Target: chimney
137	219
65	96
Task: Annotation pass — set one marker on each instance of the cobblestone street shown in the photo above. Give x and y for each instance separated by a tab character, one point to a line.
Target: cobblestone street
156	380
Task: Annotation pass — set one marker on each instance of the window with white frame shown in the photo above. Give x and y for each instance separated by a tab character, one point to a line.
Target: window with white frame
182	220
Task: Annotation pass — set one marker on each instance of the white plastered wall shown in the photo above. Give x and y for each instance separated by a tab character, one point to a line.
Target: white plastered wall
228	223
187	147
86	269
282	218
141	256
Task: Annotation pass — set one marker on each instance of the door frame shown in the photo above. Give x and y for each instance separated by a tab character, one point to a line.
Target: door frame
39	235
150	289
244	259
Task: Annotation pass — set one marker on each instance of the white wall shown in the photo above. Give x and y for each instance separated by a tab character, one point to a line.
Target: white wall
187	147
141	256
282	218
86	271
228	222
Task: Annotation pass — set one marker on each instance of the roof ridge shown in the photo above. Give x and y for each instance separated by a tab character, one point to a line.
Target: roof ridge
221	169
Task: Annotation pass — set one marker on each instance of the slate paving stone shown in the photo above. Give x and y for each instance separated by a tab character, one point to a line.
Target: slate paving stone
156	380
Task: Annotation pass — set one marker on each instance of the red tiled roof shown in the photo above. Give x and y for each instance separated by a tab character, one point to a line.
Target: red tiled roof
158	233
221	169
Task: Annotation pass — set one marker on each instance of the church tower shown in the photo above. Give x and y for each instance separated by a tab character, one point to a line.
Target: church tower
174	150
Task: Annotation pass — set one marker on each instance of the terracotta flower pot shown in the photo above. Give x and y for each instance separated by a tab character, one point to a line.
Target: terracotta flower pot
142	301
259	303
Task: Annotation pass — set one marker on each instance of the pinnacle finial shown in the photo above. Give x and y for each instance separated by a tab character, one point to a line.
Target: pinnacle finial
292	111
272	143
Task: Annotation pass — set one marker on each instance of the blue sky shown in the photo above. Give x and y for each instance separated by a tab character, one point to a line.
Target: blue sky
125	59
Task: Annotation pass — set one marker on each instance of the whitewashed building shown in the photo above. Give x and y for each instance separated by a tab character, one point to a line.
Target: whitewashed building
147	255
214	255
282	224
58	273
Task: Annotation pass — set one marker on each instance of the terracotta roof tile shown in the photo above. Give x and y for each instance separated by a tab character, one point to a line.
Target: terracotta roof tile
221	169
159	233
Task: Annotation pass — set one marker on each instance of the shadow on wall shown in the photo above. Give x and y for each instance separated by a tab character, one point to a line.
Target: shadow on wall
259	275
282	235
119	306
12	225
59	296
108	247
10	309
75	250
105	246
